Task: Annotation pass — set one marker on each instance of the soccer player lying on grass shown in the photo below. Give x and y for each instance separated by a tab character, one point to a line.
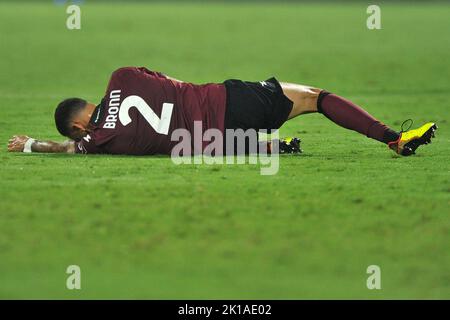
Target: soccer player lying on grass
142	108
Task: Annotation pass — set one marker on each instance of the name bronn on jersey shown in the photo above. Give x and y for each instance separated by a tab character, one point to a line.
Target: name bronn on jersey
113	109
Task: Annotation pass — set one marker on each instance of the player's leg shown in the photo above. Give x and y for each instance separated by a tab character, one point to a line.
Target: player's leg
339	110
348	115
304	98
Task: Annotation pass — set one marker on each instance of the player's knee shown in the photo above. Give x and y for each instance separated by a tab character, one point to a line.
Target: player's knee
309	98
303	97
314	94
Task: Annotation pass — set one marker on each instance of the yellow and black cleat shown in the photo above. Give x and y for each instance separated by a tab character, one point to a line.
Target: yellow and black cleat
290	145
410	140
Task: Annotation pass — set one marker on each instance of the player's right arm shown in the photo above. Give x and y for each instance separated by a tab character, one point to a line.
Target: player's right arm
27	144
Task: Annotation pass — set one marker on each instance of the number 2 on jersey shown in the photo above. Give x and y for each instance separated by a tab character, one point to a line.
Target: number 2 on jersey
159	125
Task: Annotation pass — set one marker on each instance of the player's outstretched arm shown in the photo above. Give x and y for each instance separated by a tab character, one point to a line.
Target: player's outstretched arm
27	144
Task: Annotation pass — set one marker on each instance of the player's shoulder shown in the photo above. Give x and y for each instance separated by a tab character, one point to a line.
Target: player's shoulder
95	141
121	77
128	77
123	70
136	71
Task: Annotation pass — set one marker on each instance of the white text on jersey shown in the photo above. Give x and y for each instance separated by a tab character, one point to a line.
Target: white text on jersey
113	109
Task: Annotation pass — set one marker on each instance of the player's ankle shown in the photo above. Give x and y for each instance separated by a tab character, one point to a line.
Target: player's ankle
390	136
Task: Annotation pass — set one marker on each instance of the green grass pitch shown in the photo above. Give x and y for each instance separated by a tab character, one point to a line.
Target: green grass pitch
141	227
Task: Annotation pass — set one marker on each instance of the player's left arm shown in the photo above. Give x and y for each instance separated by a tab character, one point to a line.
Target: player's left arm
27	144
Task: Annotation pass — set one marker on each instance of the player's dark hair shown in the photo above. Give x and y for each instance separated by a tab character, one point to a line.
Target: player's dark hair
65	112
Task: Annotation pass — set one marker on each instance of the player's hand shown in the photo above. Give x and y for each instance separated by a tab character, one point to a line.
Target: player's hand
17	143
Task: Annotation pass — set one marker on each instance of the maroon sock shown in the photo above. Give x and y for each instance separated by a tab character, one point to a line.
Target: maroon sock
348	115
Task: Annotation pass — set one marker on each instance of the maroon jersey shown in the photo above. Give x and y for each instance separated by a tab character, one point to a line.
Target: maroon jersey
142	108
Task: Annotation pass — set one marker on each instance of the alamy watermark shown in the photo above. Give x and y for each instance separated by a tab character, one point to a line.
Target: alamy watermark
73	21
73	281
229	147
195	146
374	280
373	22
